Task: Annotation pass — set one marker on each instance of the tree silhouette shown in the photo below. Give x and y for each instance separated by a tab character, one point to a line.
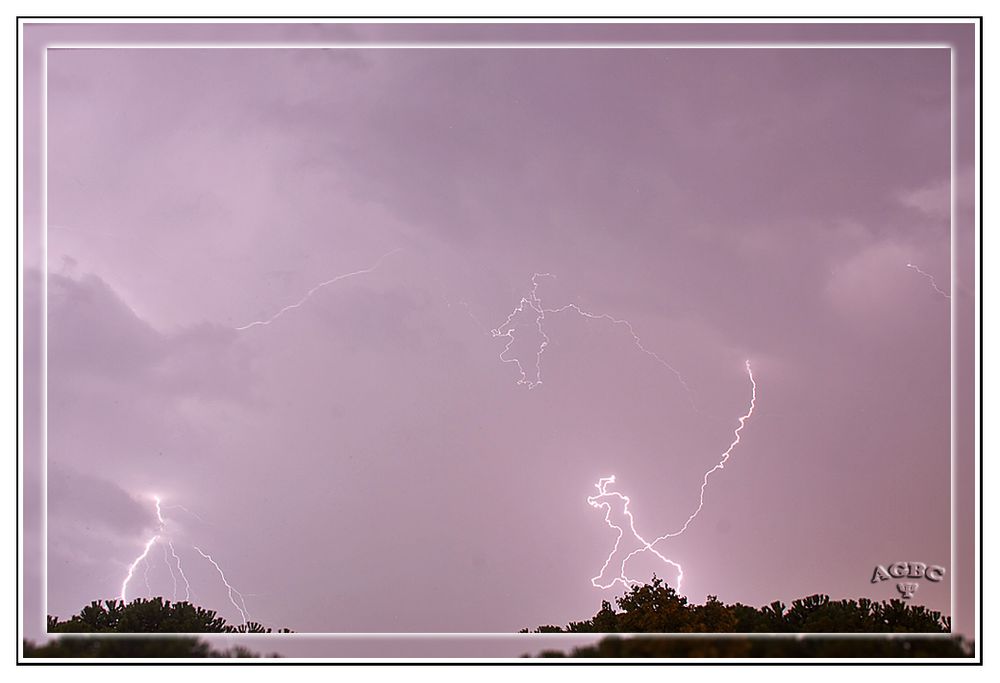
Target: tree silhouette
827	647
130	648
154	615
651	608
657	608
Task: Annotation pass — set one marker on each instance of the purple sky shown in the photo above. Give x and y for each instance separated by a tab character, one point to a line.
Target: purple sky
367	462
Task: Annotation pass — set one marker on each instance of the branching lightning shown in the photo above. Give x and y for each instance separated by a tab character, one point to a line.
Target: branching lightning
931	279
614	569
601	501
161	527
168	546
533	302
315	289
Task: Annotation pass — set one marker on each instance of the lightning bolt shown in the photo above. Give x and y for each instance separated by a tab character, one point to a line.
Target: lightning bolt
145	577
173	577
648	546
507	330
601	501
315	289
241	610
168	545
534	302
180	570
532	305
931	279
173	553
159	513
135	563
145	553
181	507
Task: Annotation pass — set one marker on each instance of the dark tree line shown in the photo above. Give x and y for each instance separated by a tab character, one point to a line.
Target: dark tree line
657	608
114	648
774	648
155	615
654	608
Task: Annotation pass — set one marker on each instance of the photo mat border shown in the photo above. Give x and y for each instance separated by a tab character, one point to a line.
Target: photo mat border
977	228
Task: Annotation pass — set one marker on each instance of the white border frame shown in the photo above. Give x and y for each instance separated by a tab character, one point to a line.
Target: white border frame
521	45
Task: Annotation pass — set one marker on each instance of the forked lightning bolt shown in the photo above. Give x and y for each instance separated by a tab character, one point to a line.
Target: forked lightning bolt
532	305
534	302
648	546
168	544
308	295
603	500
931	279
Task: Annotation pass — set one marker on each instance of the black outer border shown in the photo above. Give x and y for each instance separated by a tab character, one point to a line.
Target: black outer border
498	20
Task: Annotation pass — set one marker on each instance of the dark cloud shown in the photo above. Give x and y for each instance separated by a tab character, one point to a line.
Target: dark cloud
89	500
95	336
93	332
